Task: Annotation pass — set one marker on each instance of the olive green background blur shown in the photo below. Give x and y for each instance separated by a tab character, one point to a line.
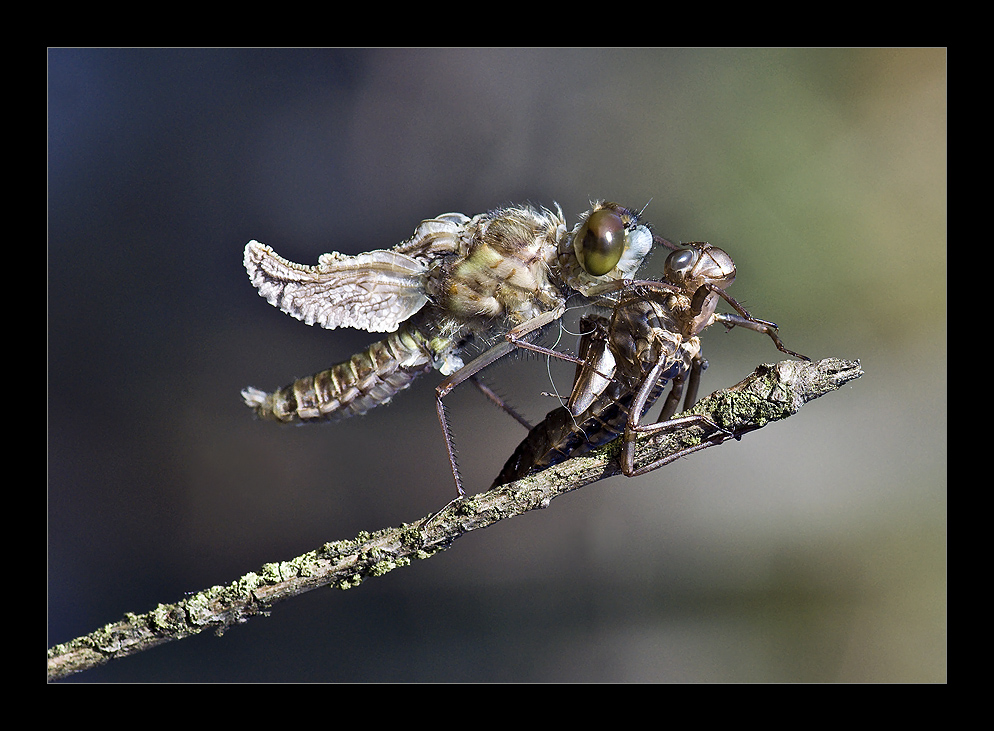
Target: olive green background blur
813	550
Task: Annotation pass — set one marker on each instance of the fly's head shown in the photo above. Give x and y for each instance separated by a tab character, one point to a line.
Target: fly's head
700	271
607	245
698	265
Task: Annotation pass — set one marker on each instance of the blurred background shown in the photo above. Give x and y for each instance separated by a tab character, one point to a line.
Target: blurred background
812	551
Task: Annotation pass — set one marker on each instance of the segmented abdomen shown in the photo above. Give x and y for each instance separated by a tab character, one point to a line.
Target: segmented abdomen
365	380
562	436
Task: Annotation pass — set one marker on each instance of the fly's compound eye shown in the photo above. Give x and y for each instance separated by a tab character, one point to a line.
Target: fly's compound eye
721	270
600	242
679	265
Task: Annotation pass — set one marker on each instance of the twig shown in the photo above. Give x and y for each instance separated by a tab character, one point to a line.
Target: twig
771	393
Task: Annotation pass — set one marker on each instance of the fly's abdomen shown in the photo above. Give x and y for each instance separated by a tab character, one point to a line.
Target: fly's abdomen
561	436
365	380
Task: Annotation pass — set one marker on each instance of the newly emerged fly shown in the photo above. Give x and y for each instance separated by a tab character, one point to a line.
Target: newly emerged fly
500	275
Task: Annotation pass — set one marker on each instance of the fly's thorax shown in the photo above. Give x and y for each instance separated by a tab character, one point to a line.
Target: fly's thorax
673	351
437	237
506	270
607	244
639	314
646	330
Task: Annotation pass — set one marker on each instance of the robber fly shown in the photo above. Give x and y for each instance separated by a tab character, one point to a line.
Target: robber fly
498	277
629	353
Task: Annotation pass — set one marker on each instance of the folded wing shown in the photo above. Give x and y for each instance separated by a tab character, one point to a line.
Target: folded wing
375	291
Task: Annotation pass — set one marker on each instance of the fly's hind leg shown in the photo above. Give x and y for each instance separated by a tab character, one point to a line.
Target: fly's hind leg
515	338
689	382
666	422
497	400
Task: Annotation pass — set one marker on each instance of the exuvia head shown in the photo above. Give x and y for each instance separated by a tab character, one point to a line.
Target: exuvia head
699	264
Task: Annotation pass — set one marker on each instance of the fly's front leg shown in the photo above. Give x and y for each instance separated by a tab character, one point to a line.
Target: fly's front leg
760	326
633	429
518	336
744	319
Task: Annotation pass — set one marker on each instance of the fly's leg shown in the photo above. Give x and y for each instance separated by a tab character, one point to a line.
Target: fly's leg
689	385
450	446
697	367
666	423
434	516
744	319
760	326
467	372
690	382
495	398
669	405
513	340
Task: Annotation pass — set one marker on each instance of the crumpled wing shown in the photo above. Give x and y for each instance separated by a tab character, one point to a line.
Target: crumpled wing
375	291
